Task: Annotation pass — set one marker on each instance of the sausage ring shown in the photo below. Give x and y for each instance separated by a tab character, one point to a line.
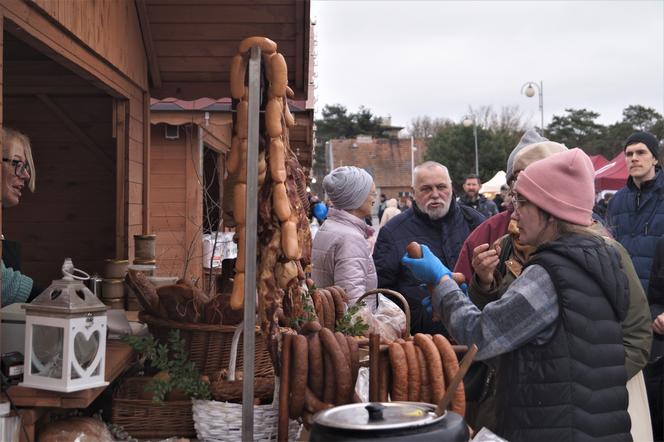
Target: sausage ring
434	364
299	369
451	367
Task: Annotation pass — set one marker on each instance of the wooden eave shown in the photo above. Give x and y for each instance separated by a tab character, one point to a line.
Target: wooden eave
189	43
216	125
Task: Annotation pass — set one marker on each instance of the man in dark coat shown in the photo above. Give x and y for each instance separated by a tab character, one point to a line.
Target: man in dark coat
471	197
436	220
636	212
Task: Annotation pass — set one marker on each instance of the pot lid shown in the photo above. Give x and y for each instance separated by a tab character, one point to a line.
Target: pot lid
378	416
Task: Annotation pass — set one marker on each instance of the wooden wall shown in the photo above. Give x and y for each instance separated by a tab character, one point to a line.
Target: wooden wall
72	212
76	35
176	201
110	28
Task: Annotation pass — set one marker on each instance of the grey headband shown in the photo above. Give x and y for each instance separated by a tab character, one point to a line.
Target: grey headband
347	187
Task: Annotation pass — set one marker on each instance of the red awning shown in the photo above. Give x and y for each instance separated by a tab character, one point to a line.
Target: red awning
613	175
598	161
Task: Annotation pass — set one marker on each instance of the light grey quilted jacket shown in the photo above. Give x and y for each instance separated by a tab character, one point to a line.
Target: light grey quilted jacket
341	255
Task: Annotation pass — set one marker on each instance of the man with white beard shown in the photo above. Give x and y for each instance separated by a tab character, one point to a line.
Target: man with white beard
435	219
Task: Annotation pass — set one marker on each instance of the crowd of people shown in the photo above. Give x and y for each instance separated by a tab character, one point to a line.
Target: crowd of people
564	301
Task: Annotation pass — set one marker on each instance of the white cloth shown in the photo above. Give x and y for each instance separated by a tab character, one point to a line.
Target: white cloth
638	409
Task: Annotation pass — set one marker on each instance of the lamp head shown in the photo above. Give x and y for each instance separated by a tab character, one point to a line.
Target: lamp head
530	91
467	122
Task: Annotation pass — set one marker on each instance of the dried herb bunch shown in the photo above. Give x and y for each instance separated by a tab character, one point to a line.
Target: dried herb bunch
172	359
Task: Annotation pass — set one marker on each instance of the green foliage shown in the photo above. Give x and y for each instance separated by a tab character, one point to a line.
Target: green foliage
350	327
641	117
337	122
183	374
578	128
309	313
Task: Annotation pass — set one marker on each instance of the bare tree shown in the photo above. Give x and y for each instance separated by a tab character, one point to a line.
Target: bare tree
509	118
427	127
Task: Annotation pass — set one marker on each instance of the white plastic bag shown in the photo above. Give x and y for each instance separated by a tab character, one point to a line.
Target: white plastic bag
384	317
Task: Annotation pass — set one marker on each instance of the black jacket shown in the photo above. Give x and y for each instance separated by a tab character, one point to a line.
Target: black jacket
656	297
444	237
572	388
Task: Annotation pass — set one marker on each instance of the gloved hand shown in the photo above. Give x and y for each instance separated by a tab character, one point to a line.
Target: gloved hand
428	268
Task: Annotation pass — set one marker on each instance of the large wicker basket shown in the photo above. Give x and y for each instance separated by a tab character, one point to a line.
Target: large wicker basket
217	421
144	419
209	346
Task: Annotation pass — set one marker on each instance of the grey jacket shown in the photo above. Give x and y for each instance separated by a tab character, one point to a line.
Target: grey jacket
341	255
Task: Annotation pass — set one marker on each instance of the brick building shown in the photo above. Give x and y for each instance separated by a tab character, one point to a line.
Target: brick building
388	160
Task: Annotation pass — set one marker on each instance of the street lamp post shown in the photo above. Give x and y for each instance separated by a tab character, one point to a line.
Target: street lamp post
468	121
412	157
528	89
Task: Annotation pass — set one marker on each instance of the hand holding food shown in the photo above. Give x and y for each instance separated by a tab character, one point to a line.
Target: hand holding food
428	268
485	260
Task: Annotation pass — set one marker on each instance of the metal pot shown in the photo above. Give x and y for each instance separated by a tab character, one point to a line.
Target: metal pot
388	421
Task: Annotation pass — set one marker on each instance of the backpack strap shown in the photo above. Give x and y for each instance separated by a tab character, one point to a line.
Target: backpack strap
505	252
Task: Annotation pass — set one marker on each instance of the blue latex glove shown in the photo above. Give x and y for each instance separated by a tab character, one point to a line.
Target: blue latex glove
428	268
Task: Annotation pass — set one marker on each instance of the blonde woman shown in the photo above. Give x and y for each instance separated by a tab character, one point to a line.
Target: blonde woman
18	174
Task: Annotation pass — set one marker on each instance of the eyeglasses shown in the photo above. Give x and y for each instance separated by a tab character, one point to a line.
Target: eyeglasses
516	202
20	167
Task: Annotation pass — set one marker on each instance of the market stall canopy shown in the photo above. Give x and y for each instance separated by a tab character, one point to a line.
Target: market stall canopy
598	161
613	175
493	185
189	45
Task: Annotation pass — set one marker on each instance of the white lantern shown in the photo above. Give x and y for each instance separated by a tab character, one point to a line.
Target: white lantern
65	336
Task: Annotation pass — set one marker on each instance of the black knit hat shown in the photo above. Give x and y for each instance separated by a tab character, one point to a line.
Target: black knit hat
646	138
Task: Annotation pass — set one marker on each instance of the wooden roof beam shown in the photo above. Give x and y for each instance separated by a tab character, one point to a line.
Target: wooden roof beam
148	42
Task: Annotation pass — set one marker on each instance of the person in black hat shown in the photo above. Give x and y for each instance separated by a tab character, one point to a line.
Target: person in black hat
636	216
636	212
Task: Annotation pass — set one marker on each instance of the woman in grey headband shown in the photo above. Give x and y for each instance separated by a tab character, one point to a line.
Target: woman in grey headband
341	252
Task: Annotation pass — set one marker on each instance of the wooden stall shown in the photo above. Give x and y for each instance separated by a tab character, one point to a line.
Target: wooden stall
78	77
188	151
188	148
81	95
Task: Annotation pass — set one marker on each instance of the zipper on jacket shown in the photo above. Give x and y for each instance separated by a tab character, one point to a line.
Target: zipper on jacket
638	199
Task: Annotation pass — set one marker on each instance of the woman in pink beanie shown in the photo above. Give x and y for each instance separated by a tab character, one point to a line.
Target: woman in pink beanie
556	332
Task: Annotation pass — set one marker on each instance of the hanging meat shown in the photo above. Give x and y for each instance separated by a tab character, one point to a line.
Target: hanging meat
283	235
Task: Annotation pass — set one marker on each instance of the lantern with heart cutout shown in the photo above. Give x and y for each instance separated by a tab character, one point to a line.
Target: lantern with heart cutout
65	336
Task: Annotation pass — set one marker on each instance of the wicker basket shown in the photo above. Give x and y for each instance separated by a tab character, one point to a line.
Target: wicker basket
145	419
222	421
209	345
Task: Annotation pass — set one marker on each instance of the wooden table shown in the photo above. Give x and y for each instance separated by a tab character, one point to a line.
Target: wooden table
118	358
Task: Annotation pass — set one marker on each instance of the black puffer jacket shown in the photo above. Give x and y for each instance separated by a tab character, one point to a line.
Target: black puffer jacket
572	388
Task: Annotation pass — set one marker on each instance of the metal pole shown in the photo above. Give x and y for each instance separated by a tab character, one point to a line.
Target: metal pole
477	158
541	103
249	337
412	158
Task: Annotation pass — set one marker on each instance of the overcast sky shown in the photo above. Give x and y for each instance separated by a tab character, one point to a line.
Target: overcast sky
437	58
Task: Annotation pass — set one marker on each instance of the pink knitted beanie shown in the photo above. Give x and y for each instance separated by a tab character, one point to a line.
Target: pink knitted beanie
562	185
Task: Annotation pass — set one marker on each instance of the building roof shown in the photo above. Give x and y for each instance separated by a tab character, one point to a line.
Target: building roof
189	44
